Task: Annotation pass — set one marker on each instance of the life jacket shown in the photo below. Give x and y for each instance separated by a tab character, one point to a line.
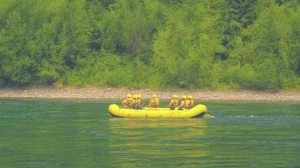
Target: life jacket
136	103
128	102
154	103
185	104
174	103
191	103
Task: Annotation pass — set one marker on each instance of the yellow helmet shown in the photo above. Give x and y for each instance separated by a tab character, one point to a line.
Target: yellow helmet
135	96
175	96
183	97
139	96
129	95
190	97
154	96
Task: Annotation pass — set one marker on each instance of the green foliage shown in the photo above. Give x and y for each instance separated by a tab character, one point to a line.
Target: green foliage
14	54
246	77
234	44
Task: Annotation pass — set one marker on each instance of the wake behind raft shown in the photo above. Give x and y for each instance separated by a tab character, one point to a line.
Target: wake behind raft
195	112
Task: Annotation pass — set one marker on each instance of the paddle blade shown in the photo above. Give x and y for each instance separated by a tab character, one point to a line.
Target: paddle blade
207	115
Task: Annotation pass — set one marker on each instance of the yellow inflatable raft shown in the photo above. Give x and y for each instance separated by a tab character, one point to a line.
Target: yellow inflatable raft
197	111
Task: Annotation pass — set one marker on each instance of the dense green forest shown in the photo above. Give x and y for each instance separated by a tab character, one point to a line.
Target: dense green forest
207	44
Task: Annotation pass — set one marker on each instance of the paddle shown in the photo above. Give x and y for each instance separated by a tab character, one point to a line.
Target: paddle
207	115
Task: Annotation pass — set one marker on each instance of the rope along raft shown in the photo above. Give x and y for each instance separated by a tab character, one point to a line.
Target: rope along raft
195	112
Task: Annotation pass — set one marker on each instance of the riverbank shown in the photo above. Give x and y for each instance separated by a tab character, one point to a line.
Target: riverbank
163	94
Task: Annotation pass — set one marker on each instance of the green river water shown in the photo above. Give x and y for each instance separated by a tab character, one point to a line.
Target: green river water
81	133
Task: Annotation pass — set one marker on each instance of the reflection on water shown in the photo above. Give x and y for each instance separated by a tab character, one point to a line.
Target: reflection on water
138	142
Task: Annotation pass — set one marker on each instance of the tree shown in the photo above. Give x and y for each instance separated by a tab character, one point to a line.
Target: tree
14	54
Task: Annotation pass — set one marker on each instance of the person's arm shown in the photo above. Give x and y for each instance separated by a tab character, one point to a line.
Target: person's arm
123	103
170	104
139	103
150	103
181	104
132	103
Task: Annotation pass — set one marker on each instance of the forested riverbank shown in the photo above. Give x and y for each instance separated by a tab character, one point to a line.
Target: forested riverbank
220	44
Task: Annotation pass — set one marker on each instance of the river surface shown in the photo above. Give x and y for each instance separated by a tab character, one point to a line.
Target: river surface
81	133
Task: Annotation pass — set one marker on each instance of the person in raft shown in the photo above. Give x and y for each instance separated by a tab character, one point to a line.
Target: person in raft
173	103
191	102
183	104
126	103
154	102
136	103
